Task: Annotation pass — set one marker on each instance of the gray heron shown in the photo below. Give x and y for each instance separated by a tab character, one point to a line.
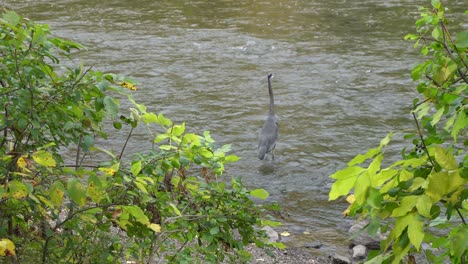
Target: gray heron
269	132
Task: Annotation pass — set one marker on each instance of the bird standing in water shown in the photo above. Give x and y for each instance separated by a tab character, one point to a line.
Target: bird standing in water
269	132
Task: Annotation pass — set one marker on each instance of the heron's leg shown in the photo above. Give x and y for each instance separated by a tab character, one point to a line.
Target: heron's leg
273	153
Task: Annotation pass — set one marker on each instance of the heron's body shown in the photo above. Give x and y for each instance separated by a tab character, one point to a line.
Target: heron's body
269	132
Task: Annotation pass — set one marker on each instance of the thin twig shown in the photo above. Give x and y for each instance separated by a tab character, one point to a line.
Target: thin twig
422	140
78	152
445	34
177	253
125	145
461	216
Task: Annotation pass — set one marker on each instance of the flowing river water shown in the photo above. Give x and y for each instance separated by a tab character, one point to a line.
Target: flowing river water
341	82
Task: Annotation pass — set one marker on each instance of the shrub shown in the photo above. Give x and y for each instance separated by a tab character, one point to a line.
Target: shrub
167	202
421	198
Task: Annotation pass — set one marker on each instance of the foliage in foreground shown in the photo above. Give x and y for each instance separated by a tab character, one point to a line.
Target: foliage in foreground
165	203
421	198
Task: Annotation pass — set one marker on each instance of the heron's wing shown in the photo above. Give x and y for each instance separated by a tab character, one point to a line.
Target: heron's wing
268	137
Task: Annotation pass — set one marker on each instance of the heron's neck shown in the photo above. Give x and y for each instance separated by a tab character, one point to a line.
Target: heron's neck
272	100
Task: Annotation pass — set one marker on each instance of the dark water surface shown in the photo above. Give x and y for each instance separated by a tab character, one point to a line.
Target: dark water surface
341	82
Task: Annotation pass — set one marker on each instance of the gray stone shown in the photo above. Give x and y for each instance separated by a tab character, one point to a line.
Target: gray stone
272	234
314	244
338	259
359	252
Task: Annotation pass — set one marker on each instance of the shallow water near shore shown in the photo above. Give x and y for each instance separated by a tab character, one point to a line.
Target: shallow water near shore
341	83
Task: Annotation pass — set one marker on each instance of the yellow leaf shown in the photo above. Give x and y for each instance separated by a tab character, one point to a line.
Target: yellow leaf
110	170
44	158
155	227
23	163
7	248
350	199
285	233
129	86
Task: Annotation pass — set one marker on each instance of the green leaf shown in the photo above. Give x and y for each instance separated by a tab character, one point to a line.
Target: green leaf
460	123
17	189
379	259
462	39
459	242
422	109
445	158
436	117
149	118
443	183
416	230
259	193
137	213
87	142
347	172
344	183
375	198
415	226
435	3
424	205
136	168
214	230
111	105
177	130
361	186
140	185
383	176
163	121
160	137
175	209
411	37
446	71
95	190
385	140
361	158
232	158
76	191
374	166
278	245
11	18
56	193
407	204
436	33
44	158
270	223
117	125
140	107
437	186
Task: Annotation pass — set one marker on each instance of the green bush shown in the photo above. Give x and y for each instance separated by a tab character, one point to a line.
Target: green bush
421	198
165	203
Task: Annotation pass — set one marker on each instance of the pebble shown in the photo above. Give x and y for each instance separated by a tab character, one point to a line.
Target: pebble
338	259
359	252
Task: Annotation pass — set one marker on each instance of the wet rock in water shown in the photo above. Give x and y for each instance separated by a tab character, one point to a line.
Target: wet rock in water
359	252
314	244
272	234
338	259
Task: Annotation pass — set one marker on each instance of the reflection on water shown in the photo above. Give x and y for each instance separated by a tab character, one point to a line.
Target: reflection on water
341	81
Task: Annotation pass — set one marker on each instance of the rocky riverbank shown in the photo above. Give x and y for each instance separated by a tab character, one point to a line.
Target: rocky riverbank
358	249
